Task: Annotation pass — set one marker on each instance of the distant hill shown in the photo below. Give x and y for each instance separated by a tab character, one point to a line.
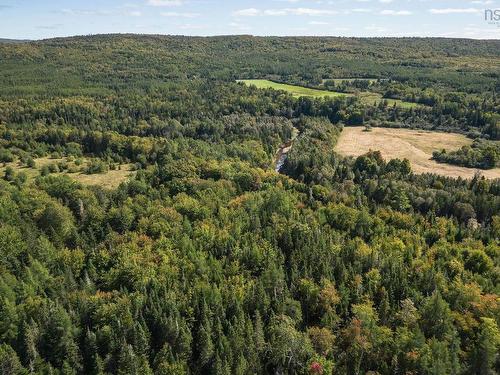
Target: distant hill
431	72
14	41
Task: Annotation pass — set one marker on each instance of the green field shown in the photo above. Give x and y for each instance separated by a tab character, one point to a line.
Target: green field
367	97
296	91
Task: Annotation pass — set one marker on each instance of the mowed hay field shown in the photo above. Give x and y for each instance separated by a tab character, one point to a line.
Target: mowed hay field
415	145
366	97
296	91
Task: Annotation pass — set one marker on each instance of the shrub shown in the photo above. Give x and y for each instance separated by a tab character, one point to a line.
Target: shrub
96	166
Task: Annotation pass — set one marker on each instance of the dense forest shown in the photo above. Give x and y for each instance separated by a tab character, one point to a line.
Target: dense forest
206	260
482	154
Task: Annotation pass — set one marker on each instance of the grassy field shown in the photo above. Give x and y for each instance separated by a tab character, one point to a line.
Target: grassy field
414	145
368	98
110	179
296	91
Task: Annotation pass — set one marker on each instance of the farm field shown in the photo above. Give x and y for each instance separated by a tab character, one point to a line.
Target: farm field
368	98
296	91
110	179
415	145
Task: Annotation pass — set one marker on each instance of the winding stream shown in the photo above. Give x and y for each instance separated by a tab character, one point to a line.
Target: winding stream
284	149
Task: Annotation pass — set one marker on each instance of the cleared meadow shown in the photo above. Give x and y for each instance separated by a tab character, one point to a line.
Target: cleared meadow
296	91
109	179
415	145
366	97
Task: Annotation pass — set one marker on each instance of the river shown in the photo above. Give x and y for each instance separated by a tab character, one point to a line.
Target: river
284	149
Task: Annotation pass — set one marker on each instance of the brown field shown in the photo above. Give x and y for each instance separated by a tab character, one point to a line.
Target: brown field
415	145
110	179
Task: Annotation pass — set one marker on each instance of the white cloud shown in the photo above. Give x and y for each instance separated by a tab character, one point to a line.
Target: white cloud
179	14
252	12
275	12
360	10
386	1
84	12
102	12
318	23
453	10
390	12
165	3
311	12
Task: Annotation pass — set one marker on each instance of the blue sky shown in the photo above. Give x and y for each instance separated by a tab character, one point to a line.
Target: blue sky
30	19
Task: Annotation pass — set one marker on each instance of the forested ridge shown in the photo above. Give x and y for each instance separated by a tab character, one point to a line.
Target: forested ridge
207	261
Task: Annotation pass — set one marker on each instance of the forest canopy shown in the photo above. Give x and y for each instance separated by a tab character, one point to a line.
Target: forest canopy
205	260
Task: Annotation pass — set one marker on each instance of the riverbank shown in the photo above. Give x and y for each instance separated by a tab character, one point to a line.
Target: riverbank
283	151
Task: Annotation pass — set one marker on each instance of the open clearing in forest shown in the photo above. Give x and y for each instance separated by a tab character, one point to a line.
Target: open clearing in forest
110	179
296	91
366	97
415	145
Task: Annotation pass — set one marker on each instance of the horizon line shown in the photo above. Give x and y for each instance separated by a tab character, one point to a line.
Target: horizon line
2	39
